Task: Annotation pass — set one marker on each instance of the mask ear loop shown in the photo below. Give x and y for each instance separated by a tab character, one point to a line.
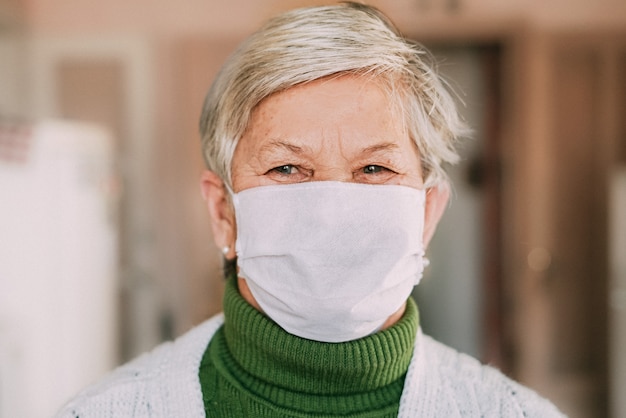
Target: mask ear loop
231	194
424	259
425	263
226	249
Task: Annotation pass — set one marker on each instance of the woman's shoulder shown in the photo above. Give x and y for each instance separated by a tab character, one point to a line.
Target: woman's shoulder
162	382
477	389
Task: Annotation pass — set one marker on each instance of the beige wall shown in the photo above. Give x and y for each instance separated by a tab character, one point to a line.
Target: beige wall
227	17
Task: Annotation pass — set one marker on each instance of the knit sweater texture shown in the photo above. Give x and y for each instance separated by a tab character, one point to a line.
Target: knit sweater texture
254	368
439	382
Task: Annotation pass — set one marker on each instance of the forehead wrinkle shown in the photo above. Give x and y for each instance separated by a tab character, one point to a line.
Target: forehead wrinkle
279	144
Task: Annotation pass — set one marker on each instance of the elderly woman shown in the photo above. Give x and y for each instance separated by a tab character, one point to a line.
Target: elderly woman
324	136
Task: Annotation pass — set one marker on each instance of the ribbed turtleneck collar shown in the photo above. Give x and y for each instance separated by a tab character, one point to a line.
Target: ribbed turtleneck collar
273	358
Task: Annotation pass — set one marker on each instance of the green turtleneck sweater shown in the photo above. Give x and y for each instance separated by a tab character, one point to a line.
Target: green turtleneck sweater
253	368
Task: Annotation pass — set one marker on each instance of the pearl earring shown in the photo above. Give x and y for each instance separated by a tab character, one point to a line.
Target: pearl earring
225	250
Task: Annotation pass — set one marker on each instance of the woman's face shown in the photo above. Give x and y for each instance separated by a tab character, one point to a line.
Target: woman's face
340	129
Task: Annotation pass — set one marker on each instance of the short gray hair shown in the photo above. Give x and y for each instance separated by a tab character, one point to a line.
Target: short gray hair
308	44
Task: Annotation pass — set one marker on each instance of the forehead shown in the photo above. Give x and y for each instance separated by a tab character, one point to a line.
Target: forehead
341	107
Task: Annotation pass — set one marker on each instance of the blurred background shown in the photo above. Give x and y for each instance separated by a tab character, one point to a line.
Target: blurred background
105	246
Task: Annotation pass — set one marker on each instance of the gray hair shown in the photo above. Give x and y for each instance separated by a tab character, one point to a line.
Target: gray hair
308	44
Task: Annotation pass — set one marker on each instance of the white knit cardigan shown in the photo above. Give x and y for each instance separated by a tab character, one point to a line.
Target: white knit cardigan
440	382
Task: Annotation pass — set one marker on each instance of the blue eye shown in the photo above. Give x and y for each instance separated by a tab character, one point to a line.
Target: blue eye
373	169
286	169
289	173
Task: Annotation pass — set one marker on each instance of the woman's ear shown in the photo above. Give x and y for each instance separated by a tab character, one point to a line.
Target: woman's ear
436	202
221	212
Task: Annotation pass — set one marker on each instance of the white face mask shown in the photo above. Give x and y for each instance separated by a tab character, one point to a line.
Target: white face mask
330	261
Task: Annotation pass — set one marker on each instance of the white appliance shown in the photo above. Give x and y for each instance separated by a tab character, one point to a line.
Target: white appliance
58	264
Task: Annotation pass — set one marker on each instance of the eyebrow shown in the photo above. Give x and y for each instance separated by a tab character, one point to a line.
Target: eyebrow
382	147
